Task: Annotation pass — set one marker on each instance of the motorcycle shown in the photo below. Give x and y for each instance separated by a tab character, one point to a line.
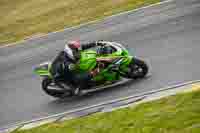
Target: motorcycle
113	61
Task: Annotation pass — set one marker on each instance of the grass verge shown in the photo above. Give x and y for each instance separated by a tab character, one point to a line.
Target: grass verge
173	114
22	18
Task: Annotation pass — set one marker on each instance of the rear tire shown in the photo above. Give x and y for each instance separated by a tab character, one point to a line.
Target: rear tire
138	69
52	92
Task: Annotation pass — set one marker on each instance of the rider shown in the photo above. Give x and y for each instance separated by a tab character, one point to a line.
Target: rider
64	63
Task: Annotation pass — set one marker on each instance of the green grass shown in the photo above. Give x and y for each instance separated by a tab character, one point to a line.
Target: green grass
22	18
174	114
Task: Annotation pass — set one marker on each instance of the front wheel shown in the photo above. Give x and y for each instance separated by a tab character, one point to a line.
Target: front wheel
57	93
137	69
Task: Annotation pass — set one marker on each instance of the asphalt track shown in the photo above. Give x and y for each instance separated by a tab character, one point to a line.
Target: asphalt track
166	36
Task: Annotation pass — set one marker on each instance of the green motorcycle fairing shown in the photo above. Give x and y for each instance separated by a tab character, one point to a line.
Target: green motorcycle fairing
43	69
88	63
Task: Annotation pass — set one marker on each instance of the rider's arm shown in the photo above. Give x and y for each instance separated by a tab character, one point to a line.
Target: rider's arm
90	45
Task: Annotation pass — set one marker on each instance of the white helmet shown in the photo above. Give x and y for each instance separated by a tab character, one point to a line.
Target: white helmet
70	46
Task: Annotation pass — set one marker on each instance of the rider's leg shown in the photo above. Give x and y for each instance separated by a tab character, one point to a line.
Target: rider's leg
82	80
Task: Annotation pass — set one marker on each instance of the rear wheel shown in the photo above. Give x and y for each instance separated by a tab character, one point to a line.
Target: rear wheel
57	93
138	69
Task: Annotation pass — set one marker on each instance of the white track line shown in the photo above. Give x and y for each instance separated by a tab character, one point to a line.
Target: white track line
99	104
95	21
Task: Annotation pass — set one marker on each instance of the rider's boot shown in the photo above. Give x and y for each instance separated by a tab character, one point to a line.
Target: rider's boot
83	82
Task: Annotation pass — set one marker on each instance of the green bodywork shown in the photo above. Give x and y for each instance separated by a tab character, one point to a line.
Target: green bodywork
88	62
43	70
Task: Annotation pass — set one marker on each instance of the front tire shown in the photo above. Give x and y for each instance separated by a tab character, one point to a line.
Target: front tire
52	92
138	69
